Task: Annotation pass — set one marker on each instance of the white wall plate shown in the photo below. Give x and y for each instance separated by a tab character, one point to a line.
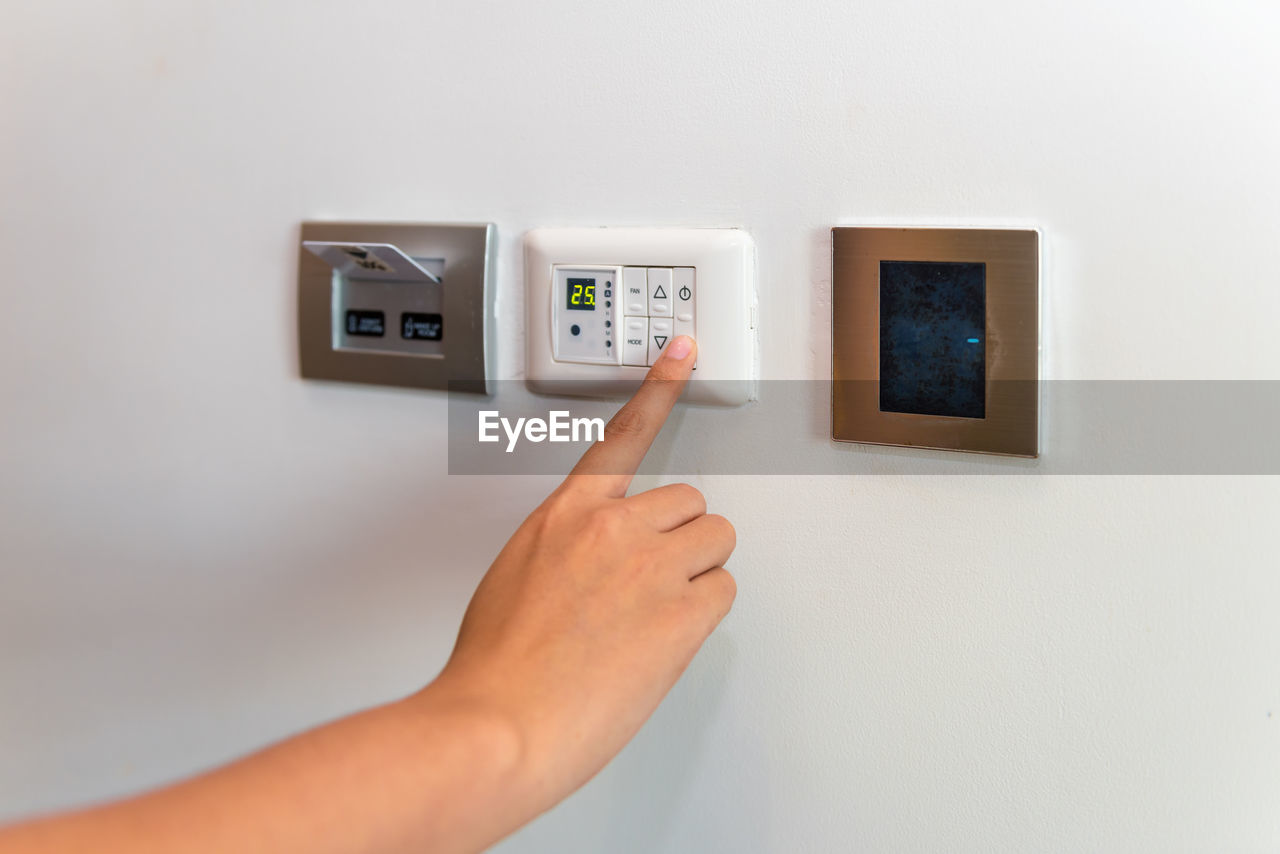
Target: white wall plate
601	304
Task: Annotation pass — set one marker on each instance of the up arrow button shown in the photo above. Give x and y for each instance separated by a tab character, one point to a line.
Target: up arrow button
660	288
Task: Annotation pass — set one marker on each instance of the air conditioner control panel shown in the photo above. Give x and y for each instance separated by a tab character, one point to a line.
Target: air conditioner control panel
615	315
603	304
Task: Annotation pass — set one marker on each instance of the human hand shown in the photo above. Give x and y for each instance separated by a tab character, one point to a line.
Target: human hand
583	623
597	603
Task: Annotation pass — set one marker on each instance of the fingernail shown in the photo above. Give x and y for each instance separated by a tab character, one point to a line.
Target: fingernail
679	348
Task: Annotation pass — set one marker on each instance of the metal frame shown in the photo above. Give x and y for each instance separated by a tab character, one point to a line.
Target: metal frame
1012	259
466	360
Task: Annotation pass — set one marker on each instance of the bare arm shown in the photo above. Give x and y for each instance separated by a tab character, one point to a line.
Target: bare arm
583	623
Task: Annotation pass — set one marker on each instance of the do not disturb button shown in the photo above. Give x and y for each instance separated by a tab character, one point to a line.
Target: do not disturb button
365	322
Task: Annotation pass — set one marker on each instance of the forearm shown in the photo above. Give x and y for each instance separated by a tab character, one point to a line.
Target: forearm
427	774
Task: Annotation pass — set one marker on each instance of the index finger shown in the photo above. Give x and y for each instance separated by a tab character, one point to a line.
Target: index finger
608	465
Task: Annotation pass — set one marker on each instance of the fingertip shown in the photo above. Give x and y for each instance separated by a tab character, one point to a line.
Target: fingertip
681	348
676	362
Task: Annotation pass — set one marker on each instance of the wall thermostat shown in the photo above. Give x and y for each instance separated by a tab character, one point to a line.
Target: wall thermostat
603	303
935	338
396	304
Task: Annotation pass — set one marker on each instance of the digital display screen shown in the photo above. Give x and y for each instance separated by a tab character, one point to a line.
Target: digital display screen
933	333
581	294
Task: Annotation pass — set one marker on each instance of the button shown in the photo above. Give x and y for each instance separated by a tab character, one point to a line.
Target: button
660	291
684	301
660	335
365	322
682	281
417	326
635	335
635	290
684	326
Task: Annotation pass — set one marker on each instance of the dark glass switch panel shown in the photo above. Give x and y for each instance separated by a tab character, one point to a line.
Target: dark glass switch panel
933	338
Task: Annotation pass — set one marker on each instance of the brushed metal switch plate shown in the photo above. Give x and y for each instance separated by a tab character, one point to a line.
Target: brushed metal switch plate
447	293
1011	339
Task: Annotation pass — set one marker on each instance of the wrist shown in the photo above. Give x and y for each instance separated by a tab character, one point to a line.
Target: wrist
495	740
469	720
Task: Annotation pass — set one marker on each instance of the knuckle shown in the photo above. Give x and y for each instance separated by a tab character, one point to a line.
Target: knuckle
620	512
691	495
728	589
610	520
722	592
646	563
627	422
724	528
559	503
714	601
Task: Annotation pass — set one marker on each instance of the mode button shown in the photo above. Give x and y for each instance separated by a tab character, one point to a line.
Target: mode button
635	341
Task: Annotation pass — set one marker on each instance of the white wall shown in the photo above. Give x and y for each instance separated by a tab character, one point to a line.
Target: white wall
200	553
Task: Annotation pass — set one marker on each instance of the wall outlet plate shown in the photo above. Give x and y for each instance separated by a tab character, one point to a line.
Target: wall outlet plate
935	338
397	304
570	352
